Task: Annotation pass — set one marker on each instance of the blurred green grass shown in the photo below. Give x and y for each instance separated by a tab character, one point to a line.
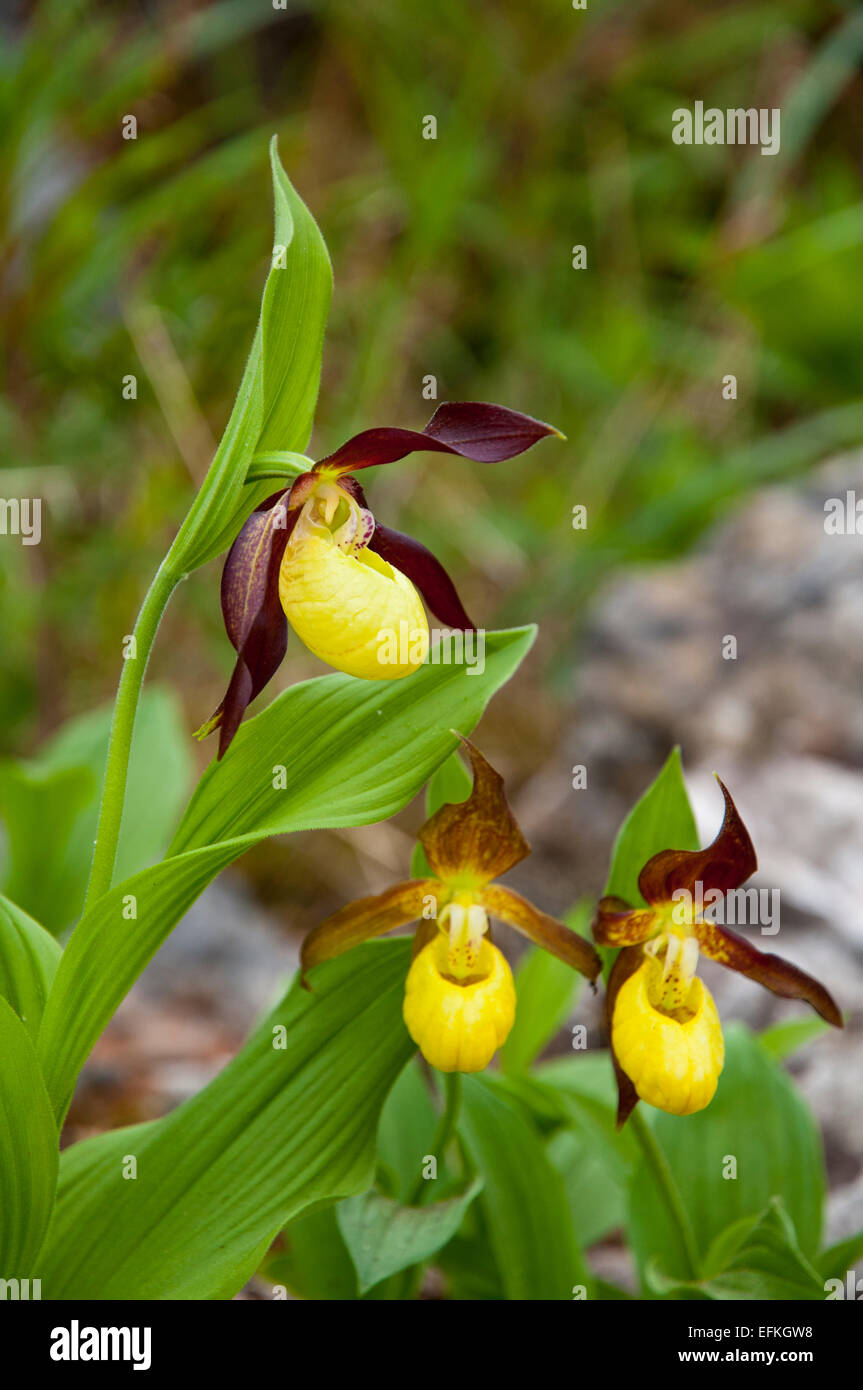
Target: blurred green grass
452	258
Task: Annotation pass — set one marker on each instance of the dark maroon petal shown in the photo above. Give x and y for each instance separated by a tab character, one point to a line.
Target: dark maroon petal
487	433
254	620
774	973
627	962
259	658
244	576
423	570
725	864
471	429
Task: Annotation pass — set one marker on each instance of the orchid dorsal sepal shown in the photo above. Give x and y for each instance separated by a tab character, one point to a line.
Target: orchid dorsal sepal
478	838
726	863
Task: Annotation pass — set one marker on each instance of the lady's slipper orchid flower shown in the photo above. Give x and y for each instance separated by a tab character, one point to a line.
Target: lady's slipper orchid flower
459	1001
313	555
666	1038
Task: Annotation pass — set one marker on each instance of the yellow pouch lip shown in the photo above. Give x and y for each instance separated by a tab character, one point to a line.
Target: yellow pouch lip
673	1064
459	1025
341	605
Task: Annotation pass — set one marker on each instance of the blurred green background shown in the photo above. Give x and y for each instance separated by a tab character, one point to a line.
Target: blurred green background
452	258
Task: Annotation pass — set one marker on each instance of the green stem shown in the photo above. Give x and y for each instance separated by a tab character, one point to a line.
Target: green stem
659	1166
404	1286
122	727
445	1130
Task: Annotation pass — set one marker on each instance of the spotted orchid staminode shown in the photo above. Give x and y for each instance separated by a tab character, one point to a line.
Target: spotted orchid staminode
460	1000
666	1037
314	556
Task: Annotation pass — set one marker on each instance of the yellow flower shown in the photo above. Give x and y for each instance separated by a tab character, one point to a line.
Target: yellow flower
344	607
459	1003
458	1024
668	1039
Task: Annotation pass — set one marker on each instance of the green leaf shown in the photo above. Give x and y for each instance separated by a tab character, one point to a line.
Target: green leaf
450	784
354	752
523	1198
839	1259
595	1189
661	819
293	319
384	1237
107	952
407	1128
315	1263
159	779
606	1292
784	1039
587	1074
546	989
757	1121
594	1159
276	401
767	1264
54	800
288	1124
39	808
468	1263
28	962
28	1151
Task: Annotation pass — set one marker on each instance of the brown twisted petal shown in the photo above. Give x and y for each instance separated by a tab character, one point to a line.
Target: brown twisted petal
774	973
725	864
618	924
478	838
543	930
626	964
364	919
253	616
471	429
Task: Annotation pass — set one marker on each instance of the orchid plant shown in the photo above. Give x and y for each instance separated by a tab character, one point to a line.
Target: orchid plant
395	1109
